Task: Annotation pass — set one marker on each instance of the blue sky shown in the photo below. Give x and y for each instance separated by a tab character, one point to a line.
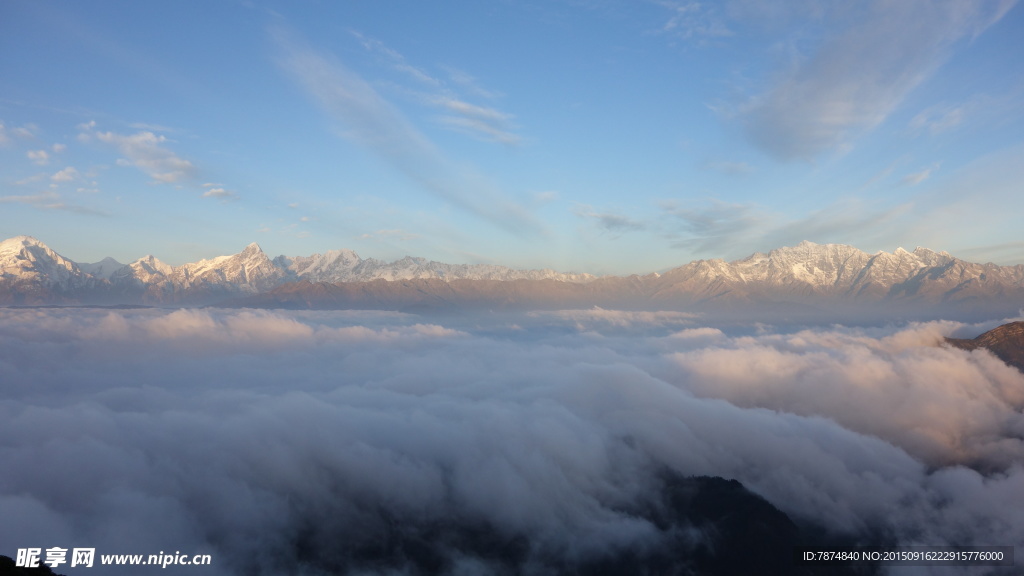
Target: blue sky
600	136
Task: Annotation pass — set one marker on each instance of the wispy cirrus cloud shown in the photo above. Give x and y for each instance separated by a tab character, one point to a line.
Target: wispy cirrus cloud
1006	252
394	234
719	229
50	200
469	83
483	123
846	221
875	54
721	226
612	222
37	199
978	110
7	134
395	59
916	178
373	122
693	20
939	118
730	168
734	230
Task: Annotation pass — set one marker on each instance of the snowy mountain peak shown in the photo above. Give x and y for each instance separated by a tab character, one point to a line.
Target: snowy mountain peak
249	270
152	265
103	269
930	257
21	241
811	252
25	259
333	264
252	249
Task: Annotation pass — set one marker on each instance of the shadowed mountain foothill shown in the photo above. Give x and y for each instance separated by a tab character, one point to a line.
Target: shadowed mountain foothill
8	567
1006	342
704	525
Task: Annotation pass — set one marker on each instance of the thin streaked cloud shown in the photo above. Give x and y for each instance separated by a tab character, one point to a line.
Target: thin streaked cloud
920	176
484	123
609	221
859	75
376	124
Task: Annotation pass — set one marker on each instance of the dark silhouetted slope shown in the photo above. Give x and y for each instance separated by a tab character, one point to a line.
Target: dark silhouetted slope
8	567
703	525
1006	342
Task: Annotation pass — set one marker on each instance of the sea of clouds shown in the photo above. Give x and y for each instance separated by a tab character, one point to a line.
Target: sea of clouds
266	438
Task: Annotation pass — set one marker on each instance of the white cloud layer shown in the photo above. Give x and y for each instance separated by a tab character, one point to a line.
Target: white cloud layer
267	437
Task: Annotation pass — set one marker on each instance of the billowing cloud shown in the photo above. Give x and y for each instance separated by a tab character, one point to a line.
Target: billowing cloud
944	407
218	192
278	441
40	157
597	317
875	55
147	152
67	174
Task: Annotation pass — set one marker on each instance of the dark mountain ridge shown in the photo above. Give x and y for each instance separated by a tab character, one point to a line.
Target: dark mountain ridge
1006	342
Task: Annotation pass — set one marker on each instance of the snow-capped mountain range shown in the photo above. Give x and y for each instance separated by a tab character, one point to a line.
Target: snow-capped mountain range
32	273
824	276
